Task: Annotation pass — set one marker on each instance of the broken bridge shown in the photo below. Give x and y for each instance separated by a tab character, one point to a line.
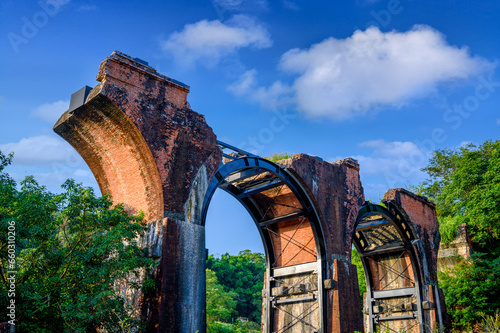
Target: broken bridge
150	151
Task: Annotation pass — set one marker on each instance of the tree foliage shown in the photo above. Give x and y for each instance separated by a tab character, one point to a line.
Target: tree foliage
465	185
472	290
356	260
236	327
243	277
70	249
221	310
221	304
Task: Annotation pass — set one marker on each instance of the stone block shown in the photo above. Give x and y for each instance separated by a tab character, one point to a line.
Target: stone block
427	305
298	289
329	284
279	291
379	309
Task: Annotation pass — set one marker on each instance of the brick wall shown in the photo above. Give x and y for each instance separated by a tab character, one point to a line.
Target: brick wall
422	214
337	191
139	137
150	151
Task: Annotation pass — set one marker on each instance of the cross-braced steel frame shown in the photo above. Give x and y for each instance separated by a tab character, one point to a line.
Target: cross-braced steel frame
384	238
260	185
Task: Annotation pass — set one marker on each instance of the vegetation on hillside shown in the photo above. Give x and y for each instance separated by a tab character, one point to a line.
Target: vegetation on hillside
234	292
70	249
465	185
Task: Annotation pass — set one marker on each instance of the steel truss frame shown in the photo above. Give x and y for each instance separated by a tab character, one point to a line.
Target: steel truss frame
245	176
386	233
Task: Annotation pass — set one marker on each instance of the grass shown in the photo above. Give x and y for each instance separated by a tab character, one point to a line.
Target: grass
278	157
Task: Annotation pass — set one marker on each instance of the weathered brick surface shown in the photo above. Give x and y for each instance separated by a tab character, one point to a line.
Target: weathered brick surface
422	214
105	137
337	190
293	239
149	150
344	313
301	250
167	134
457	250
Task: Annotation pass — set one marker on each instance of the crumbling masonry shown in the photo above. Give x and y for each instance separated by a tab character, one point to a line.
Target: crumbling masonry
149	150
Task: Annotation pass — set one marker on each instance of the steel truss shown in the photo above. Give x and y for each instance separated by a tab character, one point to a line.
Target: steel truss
384	238
281	209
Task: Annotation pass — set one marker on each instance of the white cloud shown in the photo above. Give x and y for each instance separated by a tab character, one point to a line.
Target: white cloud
397	160
82	173
245	83
343	78
50	160
398	163
52	179
209	41
228	4
389	165
50	112
374	191
42	150
273	97
392	149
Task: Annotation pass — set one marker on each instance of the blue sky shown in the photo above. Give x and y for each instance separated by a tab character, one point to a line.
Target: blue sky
384	82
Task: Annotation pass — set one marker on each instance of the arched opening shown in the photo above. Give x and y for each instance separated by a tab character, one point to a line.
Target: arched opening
384	238
235	266
291	234
222	235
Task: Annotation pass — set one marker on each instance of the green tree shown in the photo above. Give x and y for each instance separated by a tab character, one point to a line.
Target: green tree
356	260
465	185
70	250
242	275
221	305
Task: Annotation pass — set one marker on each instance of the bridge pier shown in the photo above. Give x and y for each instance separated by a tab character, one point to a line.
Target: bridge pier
150	151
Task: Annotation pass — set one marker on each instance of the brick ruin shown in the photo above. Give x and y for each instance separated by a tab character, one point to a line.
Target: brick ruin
459	248
150	151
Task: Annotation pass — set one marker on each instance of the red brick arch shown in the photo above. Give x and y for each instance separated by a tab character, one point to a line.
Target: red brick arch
292	235
116	152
